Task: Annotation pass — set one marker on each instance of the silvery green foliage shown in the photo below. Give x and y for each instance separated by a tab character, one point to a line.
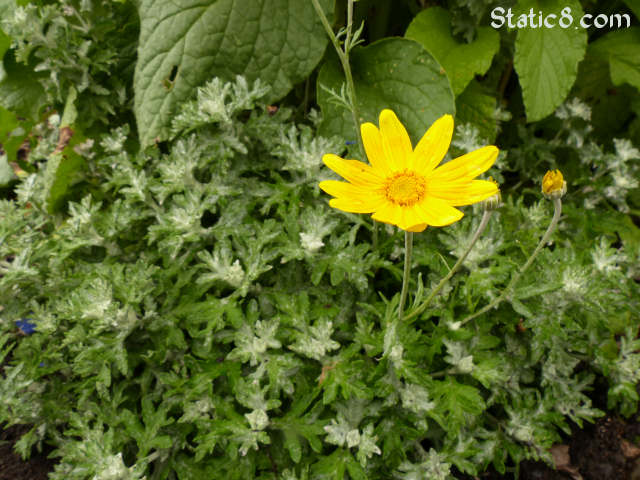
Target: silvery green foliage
315	340
203	312
218	102
458	356
606	173
416	399
94	458
74	50
315	227
340	432
367	445
467	138
434	467
303	151
222	267
252	343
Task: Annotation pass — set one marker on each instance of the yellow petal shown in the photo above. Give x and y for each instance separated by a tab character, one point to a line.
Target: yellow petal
409	218
344	189
417	228
395	141
406	218
387	213
437	212
433	146
463	193
372	141
352	205
553	182
468	166
356	172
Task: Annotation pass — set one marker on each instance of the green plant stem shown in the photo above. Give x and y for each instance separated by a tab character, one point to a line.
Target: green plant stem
408	250
557	205
442	373
375	235
347	46
343	54
483	224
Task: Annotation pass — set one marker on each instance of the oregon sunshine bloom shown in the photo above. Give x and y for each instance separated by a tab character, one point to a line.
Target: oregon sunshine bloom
402	186
553	184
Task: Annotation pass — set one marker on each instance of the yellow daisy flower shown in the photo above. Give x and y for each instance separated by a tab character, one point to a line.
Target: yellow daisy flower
404	186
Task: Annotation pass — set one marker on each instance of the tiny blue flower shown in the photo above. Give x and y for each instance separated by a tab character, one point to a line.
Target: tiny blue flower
26	325
350	142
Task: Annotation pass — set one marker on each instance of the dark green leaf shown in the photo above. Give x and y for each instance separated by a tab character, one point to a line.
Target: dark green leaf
63	170
622	49
20	90
393	73
184	44
476	107
546	59
462	61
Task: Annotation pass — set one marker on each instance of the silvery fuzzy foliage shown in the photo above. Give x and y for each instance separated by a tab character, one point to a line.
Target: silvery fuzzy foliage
434	467
218	102
599	174
95	457
203	310
82	50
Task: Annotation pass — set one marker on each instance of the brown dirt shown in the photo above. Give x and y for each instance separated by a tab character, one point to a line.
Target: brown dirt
12	467
606	450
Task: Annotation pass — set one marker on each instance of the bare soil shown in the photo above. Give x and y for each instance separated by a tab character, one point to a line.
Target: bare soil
606	450
12	467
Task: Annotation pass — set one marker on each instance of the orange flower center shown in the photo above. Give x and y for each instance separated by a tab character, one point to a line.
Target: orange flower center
405	188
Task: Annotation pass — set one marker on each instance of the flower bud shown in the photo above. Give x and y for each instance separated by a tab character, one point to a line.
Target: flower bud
553	184
494	201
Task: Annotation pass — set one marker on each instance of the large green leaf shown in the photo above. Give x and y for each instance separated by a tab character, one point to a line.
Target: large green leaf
6	172
8	121
634	5
477	107
622	49
20	90
183	44
461	61
63	170
393	73
11	137
602	81
546	59
5	43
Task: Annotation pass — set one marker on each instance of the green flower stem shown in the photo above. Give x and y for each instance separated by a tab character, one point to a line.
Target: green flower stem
375	235
343	54
347	46
408	250
483	224
557	205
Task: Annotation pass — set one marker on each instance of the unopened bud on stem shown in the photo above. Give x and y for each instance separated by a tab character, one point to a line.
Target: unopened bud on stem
553	184
493	202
